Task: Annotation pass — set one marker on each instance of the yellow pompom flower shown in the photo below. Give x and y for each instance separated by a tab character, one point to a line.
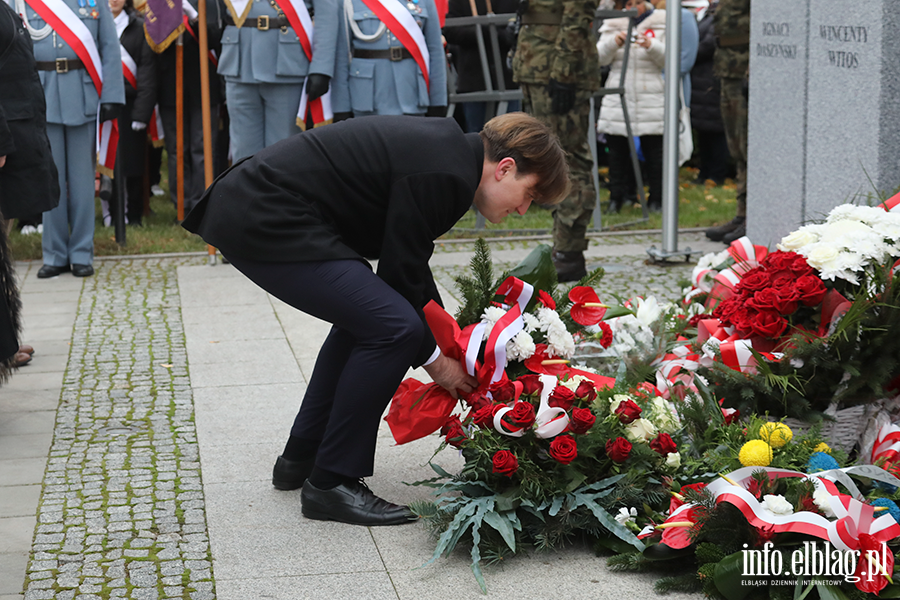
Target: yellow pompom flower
755	453
776	434
822	447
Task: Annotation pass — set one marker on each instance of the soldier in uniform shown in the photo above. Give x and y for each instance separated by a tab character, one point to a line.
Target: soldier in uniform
72	114
376	75
264	67
557	67
731	63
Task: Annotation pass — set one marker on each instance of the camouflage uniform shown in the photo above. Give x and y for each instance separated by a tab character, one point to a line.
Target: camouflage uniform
731	63
564	52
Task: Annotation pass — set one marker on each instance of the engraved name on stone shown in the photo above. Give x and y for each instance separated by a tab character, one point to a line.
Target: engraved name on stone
843	34
775	49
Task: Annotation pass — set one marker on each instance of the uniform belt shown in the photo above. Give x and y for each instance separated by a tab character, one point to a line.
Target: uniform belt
60	65
541	18
394	53
727	41
262	23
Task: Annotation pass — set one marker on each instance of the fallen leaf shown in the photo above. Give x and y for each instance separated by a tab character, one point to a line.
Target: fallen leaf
168	366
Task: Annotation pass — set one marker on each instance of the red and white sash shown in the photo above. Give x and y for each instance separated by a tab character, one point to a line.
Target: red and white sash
892	204
155	129
129	67
320	108
69	27
187	25
397	18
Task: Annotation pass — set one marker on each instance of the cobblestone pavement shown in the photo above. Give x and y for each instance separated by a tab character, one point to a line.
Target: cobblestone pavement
122	511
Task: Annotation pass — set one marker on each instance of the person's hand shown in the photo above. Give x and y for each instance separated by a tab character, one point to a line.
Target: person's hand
450	375
643	41
108	112
620	38
562	96
2	161
436	111
341	116
138	126
316	85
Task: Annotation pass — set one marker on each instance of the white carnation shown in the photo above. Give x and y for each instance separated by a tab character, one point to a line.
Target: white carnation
777	504
821	499
520	348
492	314
626	515
532	323
560	343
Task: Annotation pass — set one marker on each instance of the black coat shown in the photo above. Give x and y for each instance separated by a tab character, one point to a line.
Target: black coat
465	41
380	187
215	12
29	184
139	102
706	114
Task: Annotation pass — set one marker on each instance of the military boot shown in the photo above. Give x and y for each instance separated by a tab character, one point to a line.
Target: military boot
717	234
569	265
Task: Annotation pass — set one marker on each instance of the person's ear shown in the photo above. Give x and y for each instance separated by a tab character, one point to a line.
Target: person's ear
505	167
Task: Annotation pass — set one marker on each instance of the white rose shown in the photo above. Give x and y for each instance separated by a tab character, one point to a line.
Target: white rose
822	257
573	382
797	240
616	401
777	504
821	498
673	460
664	415
640	430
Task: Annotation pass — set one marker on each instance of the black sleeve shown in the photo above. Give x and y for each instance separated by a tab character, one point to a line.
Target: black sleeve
7	145
421	208
462	36
147	84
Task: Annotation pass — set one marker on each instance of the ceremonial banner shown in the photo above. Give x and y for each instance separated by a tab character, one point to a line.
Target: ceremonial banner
162	23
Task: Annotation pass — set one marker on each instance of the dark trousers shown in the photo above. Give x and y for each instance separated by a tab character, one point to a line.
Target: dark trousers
376	335
714	156
134	199
194	173
621	172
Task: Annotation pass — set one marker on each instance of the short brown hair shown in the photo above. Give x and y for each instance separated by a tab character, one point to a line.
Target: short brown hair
535	149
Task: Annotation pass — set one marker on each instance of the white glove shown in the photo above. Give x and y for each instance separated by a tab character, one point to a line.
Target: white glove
138	126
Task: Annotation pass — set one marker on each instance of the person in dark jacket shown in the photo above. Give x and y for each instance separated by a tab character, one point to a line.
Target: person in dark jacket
464	43
706	114
194	180
138	67
28	178
299	218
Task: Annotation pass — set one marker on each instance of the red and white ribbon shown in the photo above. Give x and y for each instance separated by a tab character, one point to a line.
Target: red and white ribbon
887	444
892	204
108	141
68	26
401	23
515	290
155	128
320	108
187	25
129	67
549	421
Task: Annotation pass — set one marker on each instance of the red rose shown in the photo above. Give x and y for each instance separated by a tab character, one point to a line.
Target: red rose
781	301
763	299
618	449
628	411
505	463
810	290
484	416
783	279
562	397
477	401
799	266
582	420
453	432
743	318
564	449
546	299
607	338
586	391
778	261
695	320
503	391
522	414
531	383
663	444
755	280
768	324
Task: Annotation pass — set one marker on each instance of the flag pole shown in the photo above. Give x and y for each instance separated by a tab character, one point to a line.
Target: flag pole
179	120
204	102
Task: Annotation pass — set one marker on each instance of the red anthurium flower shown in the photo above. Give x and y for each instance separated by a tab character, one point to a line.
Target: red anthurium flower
678	499
546	299
542	362
876	563
677	529
586	308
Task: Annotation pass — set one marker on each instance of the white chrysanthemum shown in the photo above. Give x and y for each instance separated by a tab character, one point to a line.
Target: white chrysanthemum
626	515
821	499
777	504
640	430
888	230
532	323
520	348
664	415
492	314
560	343
845	212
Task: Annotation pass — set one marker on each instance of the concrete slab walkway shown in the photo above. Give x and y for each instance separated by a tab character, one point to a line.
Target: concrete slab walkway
138	464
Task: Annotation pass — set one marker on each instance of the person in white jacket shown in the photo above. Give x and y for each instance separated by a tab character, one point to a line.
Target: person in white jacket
644	99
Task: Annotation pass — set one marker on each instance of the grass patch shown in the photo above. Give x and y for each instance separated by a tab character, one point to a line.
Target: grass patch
699	206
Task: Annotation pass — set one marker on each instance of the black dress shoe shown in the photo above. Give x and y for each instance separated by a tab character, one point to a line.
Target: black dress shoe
735	234
290	474
82	270
48	271
717	234
352	503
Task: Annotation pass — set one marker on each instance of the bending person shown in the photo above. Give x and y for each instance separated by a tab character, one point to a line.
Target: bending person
299	219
